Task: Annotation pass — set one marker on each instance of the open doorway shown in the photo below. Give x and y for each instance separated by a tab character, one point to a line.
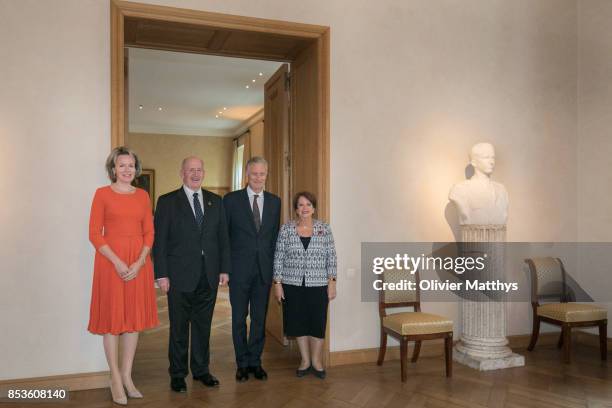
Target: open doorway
185	104
296	134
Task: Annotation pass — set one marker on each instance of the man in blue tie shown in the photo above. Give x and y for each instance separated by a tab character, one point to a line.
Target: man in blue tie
192	258
253	218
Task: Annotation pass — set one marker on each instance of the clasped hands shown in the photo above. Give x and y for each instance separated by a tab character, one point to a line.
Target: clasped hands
127	273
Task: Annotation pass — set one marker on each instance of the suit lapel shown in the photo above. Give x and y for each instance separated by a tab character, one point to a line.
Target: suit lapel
186	209
184	204
317	231
246	205
267	211
208	205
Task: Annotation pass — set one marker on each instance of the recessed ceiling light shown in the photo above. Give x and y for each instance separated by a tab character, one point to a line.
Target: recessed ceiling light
247	87
224	108
220	113
217	116
261	74
160	108
140	107
253	80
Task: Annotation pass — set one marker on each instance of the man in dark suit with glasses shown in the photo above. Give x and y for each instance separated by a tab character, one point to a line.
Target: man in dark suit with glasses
192	258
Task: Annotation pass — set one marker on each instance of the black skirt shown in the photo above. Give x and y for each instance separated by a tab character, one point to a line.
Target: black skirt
305	310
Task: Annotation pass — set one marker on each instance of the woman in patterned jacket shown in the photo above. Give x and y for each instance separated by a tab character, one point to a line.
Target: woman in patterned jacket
305	280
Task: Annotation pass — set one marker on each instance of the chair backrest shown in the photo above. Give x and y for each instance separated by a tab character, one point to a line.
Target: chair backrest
547	279
399	298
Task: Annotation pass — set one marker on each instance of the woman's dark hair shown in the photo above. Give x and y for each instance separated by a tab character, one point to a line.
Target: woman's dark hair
307	195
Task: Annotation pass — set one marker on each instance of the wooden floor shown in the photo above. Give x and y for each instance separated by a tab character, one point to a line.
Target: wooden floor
543	382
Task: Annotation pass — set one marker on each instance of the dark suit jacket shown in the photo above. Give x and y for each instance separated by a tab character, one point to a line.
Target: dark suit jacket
248	245
179	244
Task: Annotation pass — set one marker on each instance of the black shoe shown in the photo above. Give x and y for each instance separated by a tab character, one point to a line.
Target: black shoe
242	374
319	374
177	384
208	380
301	373
258	372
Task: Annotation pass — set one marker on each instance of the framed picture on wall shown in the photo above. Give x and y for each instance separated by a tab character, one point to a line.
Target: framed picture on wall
146	181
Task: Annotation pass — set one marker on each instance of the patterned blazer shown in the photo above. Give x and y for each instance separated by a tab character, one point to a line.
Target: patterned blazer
292	263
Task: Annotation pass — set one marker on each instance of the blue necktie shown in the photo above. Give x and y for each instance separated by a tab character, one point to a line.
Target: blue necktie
199	214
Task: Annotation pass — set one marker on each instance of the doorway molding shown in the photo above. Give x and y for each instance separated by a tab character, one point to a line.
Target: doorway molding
275	30
181	30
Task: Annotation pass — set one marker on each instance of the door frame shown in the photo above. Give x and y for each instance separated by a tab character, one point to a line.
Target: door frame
320	35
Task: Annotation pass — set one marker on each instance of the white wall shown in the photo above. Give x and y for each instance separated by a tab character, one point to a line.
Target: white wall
54	133
413	85
595	120
595	142
434	78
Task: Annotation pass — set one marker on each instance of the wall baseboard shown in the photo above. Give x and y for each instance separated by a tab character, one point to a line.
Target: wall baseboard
72	382
435	348
432	348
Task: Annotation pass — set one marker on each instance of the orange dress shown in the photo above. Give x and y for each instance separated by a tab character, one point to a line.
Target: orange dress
124	222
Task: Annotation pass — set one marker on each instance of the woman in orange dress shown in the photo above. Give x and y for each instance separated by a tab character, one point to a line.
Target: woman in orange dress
123	300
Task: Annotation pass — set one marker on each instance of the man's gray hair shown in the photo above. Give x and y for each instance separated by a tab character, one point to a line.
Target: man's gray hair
256	160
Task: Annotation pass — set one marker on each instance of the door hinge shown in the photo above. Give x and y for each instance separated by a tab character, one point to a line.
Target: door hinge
287	162
287	81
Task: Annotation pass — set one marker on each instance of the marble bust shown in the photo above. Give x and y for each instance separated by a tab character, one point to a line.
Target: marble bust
479	200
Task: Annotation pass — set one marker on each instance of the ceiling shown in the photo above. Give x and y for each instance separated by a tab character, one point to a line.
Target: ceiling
191	90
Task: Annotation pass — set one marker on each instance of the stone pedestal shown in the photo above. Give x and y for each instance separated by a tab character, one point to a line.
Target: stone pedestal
483	344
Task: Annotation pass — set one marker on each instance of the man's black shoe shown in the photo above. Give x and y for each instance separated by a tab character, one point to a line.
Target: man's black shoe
177	384
258	372
242	374
208	380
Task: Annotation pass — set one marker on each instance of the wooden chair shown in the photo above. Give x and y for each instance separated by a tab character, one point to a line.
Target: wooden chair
548	281
410	326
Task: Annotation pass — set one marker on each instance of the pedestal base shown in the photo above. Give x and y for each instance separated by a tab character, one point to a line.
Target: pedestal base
487	364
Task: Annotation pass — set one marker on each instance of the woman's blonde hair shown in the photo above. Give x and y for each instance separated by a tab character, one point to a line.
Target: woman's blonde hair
112	159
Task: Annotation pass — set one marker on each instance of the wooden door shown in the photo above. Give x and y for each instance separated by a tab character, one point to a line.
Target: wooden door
309	163
276	148
309	134
296	146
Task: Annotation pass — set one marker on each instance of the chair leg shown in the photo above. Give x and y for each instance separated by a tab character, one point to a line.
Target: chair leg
567	342
448	355
534	333
416	351
603	339
404	358
383	347
560	342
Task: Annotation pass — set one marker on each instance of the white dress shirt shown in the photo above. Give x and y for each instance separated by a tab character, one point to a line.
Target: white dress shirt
190	193
260	200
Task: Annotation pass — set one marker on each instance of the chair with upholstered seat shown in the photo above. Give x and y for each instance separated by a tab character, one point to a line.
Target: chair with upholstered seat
548	281
410	326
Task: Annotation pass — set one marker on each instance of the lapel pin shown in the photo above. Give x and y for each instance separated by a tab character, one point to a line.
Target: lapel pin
209	203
